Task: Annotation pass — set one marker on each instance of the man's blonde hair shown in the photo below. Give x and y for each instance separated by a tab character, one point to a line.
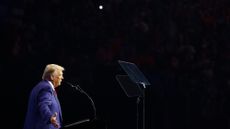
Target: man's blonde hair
50	69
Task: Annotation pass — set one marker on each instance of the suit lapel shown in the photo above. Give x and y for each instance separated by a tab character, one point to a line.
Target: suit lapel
59	107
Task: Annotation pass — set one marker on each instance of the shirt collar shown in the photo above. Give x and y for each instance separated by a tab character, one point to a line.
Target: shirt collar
51	84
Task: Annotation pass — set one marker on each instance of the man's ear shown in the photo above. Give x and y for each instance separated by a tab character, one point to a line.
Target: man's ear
51	77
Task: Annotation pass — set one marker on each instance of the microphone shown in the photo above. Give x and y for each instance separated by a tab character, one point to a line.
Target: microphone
77	87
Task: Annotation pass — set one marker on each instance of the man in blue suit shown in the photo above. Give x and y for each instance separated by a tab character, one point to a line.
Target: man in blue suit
44	110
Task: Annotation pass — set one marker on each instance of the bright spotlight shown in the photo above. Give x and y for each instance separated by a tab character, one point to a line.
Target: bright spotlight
100	7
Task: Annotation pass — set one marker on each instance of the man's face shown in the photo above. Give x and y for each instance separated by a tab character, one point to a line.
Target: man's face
57	78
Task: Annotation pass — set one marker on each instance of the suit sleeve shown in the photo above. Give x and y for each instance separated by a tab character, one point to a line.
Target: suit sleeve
44	101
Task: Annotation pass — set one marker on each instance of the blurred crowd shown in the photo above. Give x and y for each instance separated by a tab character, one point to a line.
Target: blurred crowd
183	45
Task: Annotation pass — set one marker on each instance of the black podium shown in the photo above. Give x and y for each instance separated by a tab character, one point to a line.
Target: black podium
77	123
78	112
86	124
134	85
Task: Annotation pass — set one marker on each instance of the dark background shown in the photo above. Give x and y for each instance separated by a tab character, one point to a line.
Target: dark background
182	47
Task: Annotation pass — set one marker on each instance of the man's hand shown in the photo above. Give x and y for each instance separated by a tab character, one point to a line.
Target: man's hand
53	120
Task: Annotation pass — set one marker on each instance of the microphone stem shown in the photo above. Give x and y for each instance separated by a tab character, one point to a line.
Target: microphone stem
91	100
92	103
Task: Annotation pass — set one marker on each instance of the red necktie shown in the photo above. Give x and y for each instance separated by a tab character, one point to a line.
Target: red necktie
55	92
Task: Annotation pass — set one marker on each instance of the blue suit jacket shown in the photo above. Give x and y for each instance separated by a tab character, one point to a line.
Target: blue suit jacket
43	103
